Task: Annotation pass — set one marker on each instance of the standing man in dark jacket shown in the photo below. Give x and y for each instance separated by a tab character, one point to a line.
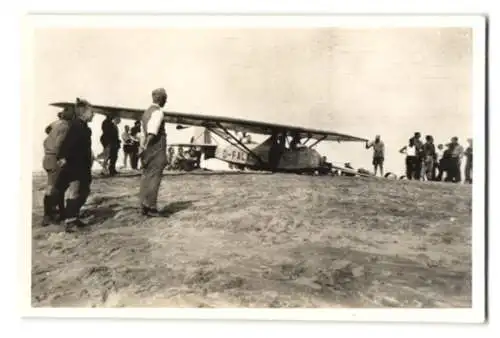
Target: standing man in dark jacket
419	148
106	125
153	153
114	145
468	163
110	141
134	149
76	158
429	158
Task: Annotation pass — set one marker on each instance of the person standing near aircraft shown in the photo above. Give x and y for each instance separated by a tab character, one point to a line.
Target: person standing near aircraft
127	145
439	165
378	154
457	152
429	153
153	153
275	151
468	163
419	153
56	131
170	157
75	156
134	150
60	116
295	142
411	159
114	145
106	150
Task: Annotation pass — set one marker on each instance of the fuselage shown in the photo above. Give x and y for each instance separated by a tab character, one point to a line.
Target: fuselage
299	159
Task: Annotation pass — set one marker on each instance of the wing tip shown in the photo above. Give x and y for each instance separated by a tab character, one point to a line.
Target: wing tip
60	104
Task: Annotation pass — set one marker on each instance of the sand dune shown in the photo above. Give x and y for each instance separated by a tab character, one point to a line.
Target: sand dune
260	241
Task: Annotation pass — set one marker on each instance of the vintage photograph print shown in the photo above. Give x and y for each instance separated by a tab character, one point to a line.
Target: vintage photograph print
255	164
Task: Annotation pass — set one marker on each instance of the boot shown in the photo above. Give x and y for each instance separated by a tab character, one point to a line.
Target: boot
150	212
72	215
72	209
61	208
74	224
47	211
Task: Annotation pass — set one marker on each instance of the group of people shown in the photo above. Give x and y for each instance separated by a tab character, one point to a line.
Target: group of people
131	142
68	159
111	144
184	159
426	162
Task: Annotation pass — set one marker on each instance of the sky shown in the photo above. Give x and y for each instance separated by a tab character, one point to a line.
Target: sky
388	81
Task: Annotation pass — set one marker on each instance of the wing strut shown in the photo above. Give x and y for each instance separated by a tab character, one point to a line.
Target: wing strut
237	143
318	141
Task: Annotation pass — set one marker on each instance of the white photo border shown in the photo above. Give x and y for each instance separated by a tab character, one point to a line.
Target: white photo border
476	314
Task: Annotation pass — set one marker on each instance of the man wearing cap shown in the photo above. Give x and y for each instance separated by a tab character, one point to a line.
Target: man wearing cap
468	162
56	132
378	154
456	154
152	153
61	116
76	158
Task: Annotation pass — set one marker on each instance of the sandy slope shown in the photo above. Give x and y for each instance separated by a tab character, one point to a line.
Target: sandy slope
261	241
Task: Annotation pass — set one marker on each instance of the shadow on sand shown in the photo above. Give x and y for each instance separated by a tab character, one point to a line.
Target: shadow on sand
175	207
98	177
100	214
97	215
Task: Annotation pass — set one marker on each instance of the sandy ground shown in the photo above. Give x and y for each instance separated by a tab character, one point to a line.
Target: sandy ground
254	240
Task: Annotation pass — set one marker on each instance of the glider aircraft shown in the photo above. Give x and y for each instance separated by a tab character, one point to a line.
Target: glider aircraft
285	150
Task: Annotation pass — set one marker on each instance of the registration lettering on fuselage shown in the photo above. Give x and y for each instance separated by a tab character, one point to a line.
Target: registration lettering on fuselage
234	155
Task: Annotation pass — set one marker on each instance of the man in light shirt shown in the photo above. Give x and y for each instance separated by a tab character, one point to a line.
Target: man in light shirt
457	152
439	162
378	154
152	153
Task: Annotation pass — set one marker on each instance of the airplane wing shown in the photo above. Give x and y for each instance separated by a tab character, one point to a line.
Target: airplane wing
124	113
219	122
